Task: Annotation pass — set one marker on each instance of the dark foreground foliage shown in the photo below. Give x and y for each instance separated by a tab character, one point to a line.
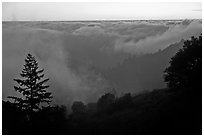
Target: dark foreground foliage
175	110
157	112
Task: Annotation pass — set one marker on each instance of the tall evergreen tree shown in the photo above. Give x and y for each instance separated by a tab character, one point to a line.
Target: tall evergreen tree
32	87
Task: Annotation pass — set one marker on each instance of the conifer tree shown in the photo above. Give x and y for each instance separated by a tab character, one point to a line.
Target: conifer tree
32	87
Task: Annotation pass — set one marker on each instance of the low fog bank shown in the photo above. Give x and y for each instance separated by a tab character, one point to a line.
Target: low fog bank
152	44
47	46
78	57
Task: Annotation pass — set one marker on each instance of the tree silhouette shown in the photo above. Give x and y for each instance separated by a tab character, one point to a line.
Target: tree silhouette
105	101
32	87
185	68
78	107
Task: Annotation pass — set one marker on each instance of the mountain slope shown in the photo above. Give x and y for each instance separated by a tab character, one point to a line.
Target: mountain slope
143	72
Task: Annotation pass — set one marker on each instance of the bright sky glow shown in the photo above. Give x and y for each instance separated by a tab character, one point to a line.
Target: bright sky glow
100	11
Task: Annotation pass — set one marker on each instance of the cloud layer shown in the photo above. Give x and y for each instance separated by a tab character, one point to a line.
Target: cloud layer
157	42
47	46
77	56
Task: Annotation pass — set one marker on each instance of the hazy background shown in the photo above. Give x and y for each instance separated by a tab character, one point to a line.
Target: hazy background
85	59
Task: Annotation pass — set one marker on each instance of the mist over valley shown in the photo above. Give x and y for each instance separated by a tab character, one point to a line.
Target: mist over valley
86	59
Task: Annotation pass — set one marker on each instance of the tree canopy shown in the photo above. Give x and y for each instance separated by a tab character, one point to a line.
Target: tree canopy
186	66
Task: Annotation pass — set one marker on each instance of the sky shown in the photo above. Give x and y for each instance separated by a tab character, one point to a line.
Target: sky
44	11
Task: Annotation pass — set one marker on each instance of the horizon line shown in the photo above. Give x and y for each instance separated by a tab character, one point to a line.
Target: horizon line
100	20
